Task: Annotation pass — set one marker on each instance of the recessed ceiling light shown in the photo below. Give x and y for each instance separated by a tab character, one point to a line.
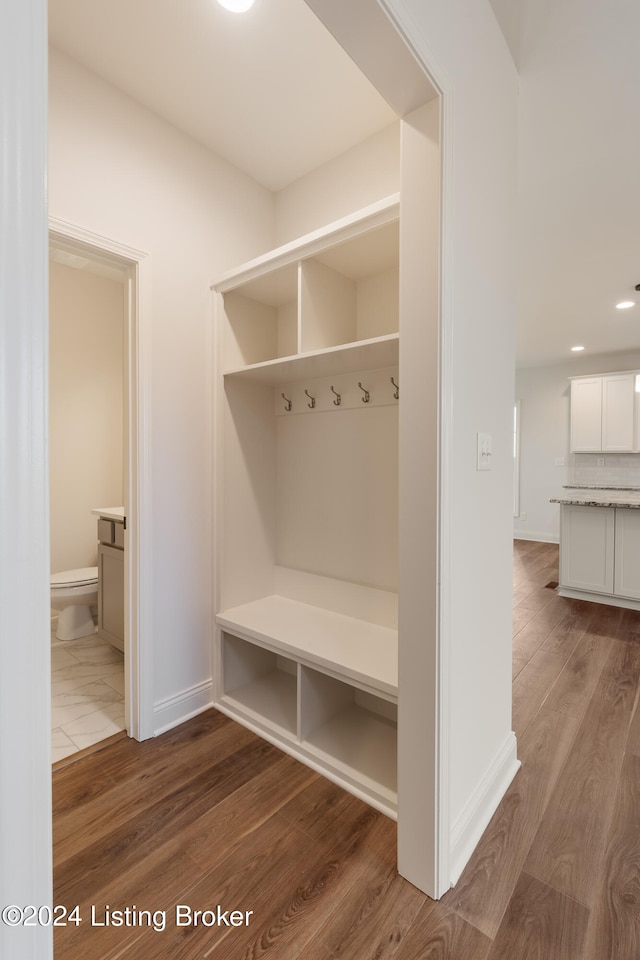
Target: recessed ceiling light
577	348
236	6
625	304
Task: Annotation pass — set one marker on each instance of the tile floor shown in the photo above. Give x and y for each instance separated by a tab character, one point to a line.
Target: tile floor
87	694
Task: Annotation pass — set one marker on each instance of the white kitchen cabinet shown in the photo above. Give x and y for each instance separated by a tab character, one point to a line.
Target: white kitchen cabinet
586	415
587	548
600	554
618	413
627	554
603	414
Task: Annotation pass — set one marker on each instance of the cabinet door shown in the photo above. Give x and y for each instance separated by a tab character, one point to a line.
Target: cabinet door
587	547
111	595
586	415
618	407
627	554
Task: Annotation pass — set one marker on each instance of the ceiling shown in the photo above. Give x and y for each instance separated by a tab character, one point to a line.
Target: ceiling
226	79
206	71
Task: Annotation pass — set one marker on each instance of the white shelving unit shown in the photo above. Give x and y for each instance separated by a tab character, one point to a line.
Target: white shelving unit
307	499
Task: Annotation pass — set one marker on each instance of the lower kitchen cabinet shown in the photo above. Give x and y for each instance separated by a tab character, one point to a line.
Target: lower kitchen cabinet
600	554
627	554
587	548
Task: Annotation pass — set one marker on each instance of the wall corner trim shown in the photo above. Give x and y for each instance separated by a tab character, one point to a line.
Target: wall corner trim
482	804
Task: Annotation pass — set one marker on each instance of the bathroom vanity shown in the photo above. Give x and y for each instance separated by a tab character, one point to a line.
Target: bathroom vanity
111	527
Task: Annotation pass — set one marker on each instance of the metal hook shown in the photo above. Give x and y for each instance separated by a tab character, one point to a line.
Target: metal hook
313	400
364	399
337	402
396	394
288	403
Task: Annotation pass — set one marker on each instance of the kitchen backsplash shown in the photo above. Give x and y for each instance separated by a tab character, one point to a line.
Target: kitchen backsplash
619	470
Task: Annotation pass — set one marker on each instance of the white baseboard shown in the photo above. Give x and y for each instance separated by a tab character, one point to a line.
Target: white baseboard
482	805
182	706
540	536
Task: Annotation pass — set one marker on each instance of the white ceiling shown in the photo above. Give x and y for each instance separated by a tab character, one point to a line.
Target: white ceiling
579	163
208	72
269	90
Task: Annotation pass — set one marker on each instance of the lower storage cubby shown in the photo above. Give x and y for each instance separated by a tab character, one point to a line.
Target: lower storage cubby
261	683
351	731
342	731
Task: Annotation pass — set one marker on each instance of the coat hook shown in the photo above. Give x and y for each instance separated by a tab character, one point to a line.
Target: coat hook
337	402
313	400
396	394
364	399
288	403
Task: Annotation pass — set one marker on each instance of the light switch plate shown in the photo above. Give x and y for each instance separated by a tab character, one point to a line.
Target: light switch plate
484	452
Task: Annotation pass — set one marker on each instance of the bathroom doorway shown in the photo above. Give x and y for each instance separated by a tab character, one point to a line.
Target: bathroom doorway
98	690
87	437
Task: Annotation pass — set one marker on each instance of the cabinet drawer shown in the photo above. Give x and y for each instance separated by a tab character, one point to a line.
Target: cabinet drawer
111	532
105	531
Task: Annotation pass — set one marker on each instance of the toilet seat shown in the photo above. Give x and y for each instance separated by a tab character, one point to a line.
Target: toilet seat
81	577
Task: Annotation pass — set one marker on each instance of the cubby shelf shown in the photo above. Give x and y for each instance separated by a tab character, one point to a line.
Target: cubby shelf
336	725
355	229
344	358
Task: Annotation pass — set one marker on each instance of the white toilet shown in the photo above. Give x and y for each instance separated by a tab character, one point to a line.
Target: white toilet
73	593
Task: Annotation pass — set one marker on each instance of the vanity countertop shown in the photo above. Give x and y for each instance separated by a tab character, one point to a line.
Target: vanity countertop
109	513
599	497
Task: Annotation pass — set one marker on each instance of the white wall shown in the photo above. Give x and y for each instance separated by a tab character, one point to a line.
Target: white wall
544	436
464	47
119	171
86	389
368	172
337	495
25	691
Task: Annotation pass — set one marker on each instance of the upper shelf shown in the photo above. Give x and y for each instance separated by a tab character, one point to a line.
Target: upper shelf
326	304
364	247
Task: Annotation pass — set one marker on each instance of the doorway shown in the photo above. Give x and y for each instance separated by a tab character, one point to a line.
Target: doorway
87	440
117	264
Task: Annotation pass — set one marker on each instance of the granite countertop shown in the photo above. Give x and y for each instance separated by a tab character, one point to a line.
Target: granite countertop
596	486
600	497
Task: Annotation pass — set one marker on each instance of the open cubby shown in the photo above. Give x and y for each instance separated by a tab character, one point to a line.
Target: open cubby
261	682
262	319
352	730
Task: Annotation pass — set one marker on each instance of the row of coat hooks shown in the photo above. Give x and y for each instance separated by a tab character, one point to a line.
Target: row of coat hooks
337	397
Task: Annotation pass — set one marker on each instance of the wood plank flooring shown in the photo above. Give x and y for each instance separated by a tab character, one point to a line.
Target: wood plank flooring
210	815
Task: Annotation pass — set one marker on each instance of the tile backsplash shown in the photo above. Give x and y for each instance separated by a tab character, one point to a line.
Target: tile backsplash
619	470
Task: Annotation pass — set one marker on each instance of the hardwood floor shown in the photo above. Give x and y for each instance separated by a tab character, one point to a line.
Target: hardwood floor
210	815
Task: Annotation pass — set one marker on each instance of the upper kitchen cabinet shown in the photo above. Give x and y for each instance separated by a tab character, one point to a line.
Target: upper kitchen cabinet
603	414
